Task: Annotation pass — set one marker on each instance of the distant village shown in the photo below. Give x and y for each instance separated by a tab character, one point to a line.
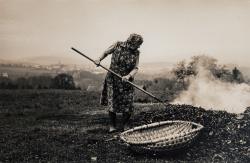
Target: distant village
57	68
17	70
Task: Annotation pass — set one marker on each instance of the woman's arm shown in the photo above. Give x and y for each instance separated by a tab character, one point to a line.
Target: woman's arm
133	72
106	53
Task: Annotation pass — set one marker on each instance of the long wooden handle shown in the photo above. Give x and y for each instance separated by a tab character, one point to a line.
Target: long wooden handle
119	76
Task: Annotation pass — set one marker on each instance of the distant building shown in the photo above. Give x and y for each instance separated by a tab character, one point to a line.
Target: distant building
76	74
5	74
92	88
37	66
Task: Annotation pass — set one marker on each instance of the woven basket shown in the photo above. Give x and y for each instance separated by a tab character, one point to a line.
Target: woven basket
161	136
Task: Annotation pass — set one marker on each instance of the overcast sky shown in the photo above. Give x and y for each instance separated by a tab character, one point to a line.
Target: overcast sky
172	29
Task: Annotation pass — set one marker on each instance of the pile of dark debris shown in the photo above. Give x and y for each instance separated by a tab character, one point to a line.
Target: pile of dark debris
225	137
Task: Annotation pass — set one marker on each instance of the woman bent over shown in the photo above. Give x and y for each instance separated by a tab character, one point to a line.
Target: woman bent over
117	94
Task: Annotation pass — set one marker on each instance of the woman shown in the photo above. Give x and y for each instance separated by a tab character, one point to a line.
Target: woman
118	94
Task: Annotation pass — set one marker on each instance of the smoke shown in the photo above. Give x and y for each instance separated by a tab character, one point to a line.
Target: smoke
211	93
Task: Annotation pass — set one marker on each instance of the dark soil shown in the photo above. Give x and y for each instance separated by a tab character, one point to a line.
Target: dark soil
64	126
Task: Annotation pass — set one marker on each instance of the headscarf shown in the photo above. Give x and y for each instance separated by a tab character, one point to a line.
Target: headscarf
135	39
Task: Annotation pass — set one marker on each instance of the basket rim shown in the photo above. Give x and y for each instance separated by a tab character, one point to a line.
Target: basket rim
122	135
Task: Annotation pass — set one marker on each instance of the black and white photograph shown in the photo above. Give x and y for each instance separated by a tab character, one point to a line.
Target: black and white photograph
125	81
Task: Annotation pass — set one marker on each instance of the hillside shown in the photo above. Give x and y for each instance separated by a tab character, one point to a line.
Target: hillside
71	126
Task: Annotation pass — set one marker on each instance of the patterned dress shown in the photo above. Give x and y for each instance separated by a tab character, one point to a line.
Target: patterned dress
116	94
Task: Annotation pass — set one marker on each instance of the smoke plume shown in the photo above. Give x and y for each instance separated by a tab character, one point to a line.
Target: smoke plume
211	93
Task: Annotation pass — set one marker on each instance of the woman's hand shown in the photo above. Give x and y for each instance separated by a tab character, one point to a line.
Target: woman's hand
97	62
126	78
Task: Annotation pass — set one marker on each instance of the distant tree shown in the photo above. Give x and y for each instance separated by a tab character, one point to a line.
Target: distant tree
221	72
180	72
4	83
237	75
11	85
204	61
40	82
22	83
63	81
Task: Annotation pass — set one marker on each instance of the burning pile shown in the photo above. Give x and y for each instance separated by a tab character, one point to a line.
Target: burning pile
212	86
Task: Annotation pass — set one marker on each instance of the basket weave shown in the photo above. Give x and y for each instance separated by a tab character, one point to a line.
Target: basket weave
161	136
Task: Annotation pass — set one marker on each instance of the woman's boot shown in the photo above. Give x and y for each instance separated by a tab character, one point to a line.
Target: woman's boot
112	117
126	117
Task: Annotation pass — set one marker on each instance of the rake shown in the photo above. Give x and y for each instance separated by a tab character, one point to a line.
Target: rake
119	76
